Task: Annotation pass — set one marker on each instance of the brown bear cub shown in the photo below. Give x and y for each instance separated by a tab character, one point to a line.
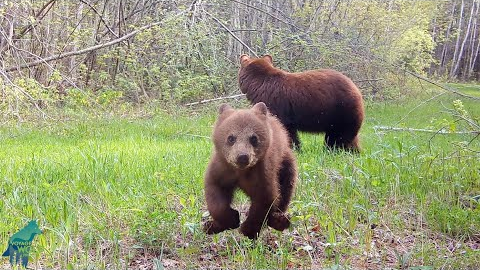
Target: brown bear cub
313	101
251	153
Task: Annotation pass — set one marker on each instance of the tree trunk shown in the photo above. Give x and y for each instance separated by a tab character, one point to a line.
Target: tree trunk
473	52
234	47
457	44
443	61
73	60
460	53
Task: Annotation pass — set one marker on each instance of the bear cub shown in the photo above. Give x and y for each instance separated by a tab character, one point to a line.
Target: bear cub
252	153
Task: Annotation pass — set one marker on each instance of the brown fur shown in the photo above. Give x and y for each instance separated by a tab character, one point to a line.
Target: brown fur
265	170
313	101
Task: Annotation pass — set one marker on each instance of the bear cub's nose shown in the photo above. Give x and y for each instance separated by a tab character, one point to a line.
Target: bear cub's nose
242	160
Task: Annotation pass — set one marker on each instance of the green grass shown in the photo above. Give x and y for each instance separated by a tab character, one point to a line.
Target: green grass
119	193
469	89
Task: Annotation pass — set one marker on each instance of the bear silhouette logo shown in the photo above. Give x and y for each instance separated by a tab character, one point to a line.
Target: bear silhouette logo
20	243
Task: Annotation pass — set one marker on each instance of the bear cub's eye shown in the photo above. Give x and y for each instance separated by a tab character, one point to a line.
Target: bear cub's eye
254	141
231	139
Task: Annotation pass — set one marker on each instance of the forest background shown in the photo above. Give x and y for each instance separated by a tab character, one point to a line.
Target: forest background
103	53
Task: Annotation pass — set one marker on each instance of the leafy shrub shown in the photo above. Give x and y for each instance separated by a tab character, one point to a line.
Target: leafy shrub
78	98
109	97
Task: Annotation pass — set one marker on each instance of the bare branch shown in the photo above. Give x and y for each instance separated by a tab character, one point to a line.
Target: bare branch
38	17
246	30
100	16
231	33
10	39
469	121
93	48
266	12
450	89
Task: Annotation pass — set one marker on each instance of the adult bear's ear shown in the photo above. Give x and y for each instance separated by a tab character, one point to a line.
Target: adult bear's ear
261	108
244	58
224	107
268	57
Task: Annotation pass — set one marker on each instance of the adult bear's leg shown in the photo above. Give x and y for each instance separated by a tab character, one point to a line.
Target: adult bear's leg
294	139
342	140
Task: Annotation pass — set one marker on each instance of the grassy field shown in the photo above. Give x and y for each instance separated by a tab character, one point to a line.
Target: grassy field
469	89
119	193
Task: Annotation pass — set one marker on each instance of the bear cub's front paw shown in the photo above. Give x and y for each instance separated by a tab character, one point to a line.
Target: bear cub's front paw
213	226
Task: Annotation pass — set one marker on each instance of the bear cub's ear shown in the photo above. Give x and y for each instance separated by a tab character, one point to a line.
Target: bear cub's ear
224	107
244	58
260	107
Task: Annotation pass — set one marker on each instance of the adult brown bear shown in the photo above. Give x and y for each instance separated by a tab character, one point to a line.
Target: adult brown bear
313	101
251	153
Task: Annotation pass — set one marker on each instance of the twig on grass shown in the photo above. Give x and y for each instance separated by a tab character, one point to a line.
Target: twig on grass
213	99
193	135
441	131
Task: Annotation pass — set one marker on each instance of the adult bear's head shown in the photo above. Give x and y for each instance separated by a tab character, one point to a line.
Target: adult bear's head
254	71
245	60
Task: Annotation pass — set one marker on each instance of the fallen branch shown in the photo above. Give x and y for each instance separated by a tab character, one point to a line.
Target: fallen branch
194	135
441	131
213	99
93	48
